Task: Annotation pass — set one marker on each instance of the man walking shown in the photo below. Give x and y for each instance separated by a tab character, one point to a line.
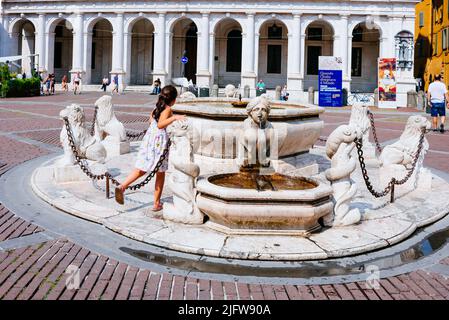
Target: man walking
438	97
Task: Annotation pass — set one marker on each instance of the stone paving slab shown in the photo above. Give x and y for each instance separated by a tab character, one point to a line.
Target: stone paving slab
383	223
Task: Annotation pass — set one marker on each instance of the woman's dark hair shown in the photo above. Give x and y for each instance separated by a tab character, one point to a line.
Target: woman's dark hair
167	96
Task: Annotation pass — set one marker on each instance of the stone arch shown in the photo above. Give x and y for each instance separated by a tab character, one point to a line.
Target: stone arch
23	42
141	31
365	51
273	52
60	47
184	42
228	38
319	41
99	55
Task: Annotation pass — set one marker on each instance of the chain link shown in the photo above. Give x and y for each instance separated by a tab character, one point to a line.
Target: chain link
84	167
373	128
135	135
393	181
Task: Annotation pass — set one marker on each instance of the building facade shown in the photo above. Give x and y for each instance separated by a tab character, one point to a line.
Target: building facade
432	41
223	41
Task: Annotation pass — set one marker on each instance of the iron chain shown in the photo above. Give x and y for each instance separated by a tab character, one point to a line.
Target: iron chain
373	128
393	181
92	176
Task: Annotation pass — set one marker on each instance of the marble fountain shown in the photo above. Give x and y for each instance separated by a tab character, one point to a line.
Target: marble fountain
249	183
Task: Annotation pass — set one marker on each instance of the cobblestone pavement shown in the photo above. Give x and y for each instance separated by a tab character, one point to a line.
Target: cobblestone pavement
33	267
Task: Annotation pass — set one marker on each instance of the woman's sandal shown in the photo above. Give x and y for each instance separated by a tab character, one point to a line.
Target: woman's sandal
158	208
119	196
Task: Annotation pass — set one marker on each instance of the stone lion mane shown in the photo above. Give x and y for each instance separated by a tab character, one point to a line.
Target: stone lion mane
403	150
105	112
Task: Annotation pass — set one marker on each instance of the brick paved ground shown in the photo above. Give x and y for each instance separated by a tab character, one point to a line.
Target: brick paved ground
29	128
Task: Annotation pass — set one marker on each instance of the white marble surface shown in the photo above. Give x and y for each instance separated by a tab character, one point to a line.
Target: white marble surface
383	223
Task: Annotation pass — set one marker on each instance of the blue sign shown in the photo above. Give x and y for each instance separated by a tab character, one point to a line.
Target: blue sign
330	88
184	60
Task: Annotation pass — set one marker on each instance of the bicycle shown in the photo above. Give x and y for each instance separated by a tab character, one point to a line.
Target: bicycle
357	96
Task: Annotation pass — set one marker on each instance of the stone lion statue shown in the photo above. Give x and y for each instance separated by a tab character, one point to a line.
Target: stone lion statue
230	91
183	178
187	95
106	124
254	148
339	147
86	145
402	151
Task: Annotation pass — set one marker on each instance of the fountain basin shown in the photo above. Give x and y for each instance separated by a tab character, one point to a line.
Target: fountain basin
219	125
295	209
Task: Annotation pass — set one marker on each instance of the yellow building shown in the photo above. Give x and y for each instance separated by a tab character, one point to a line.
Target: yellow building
432	40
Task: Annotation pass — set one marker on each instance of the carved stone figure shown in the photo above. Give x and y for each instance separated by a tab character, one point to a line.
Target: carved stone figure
402	151
187	95
183	178
398	157
339	147
106	124
360	121
230	91
87	146
258	133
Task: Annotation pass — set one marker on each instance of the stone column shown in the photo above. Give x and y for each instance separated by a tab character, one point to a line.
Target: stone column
40	44
248	55
212	56
159	50
117	50
345	50
87	53
78	47
203	75
49	57
127	58
294	79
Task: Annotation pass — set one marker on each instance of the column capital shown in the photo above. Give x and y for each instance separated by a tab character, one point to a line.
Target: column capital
42	15
161	13
250	14
119	14
344	16
205	13
297	15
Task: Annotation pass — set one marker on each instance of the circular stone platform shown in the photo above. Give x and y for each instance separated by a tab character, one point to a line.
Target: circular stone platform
383	223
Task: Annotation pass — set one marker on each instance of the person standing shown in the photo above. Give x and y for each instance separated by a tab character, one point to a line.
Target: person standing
115	85
76	83
104	83
438	97
64	85
261	87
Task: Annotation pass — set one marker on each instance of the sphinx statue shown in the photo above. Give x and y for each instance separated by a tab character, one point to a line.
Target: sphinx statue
182	180
339	147
108	129
86	145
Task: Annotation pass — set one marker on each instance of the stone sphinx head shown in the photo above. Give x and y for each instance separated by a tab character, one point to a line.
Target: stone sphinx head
258	111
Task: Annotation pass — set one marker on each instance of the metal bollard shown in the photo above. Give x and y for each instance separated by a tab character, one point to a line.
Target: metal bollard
392	191
107	187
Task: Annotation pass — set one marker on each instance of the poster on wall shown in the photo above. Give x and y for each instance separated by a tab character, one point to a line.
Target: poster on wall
330	81
387	82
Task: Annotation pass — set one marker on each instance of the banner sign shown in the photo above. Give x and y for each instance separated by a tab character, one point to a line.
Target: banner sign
330	81
387	82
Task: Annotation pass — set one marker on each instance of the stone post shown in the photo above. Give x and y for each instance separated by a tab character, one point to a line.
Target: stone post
311	92
376	97
421	100
412	99
277	93
214	92
246	91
